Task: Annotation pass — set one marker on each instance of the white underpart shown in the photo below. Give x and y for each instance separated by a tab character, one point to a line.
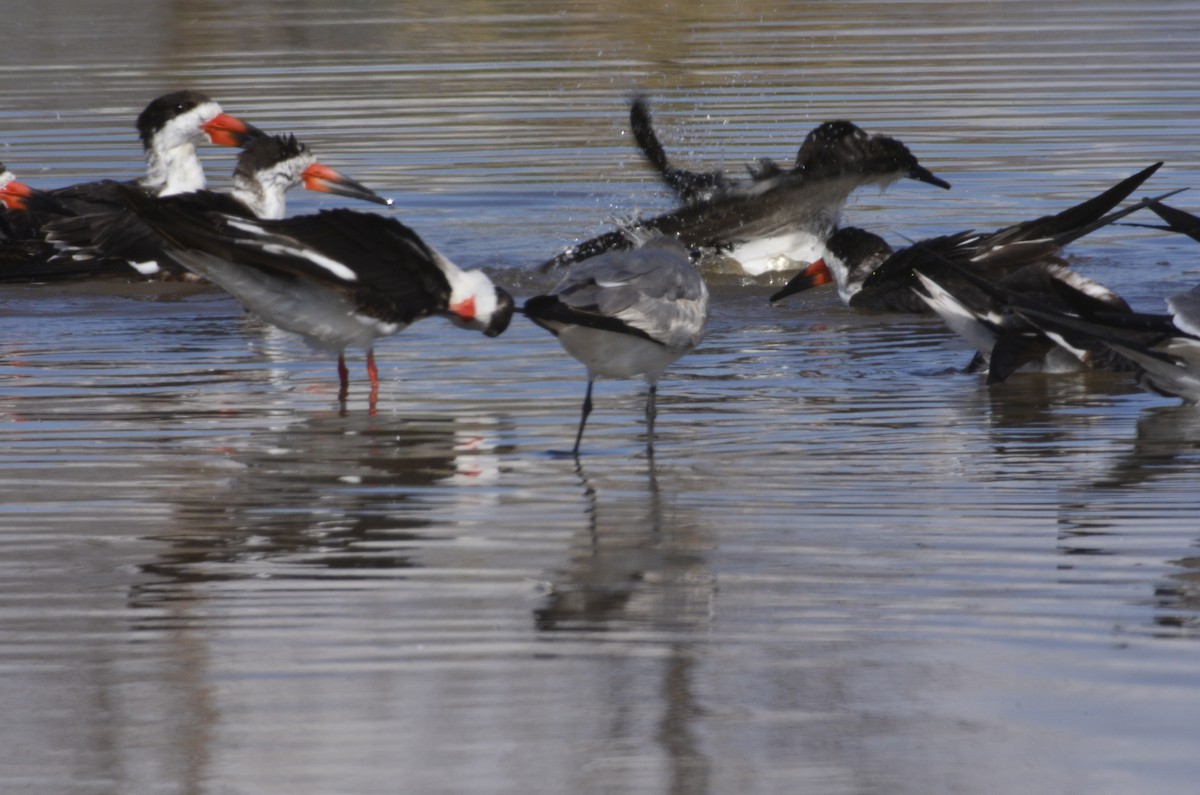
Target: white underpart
608	354
326	318
172	165
1067	357
1184	349
961	320
789	229
969	325
786	252
147	268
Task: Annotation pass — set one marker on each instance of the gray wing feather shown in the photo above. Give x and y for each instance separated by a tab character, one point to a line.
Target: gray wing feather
1185	307
653	288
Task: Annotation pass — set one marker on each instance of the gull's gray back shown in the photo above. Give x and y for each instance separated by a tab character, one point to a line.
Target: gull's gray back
654	289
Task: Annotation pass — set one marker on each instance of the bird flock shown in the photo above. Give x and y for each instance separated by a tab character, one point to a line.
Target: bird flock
630	301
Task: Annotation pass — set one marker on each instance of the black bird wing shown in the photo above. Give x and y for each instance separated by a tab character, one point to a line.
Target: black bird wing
1177	220
1074	222
690	186
382	264
106	195
123	235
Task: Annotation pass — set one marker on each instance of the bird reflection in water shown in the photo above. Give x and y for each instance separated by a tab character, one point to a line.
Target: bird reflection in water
638	569
1107	519
1166	445
634	564
327	493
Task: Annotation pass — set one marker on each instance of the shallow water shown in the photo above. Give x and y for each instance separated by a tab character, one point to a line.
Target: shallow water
849	567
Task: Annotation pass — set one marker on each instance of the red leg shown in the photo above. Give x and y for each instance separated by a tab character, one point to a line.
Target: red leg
372	370
373	373
343	377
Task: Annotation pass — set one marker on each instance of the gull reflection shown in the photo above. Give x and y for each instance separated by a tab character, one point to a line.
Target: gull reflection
632	563
637	568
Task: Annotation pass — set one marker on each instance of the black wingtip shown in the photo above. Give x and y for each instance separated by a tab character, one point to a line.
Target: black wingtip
643	133
1177	220
1077	221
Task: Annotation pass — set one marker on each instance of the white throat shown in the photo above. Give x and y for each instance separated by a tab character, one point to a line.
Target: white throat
177	170
265	192
172	165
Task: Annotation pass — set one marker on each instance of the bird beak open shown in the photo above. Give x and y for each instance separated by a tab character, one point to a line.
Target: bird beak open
226	130
325	180
814	275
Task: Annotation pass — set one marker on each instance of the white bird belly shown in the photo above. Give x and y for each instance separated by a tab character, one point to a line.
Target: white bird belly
608	354
325	318
786	252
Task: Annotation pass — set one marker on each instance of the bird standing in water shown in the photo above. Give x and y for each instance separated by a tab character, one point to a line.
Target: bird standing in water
337	278
625	314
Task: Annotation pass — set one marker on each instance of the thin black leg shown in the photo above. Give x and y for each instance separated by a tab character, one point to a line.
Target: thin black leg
587	409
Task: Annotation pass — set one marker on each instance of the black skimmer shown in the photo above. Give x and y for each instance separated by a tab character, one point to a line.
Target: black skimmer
267	168
986	316
169	128
869	275
625	314
23	212
780	218
19	203
1165	348
337	278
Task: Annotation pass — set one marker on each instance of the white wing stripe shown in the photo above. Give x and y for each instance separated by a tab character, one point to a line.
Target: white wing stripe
333	266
